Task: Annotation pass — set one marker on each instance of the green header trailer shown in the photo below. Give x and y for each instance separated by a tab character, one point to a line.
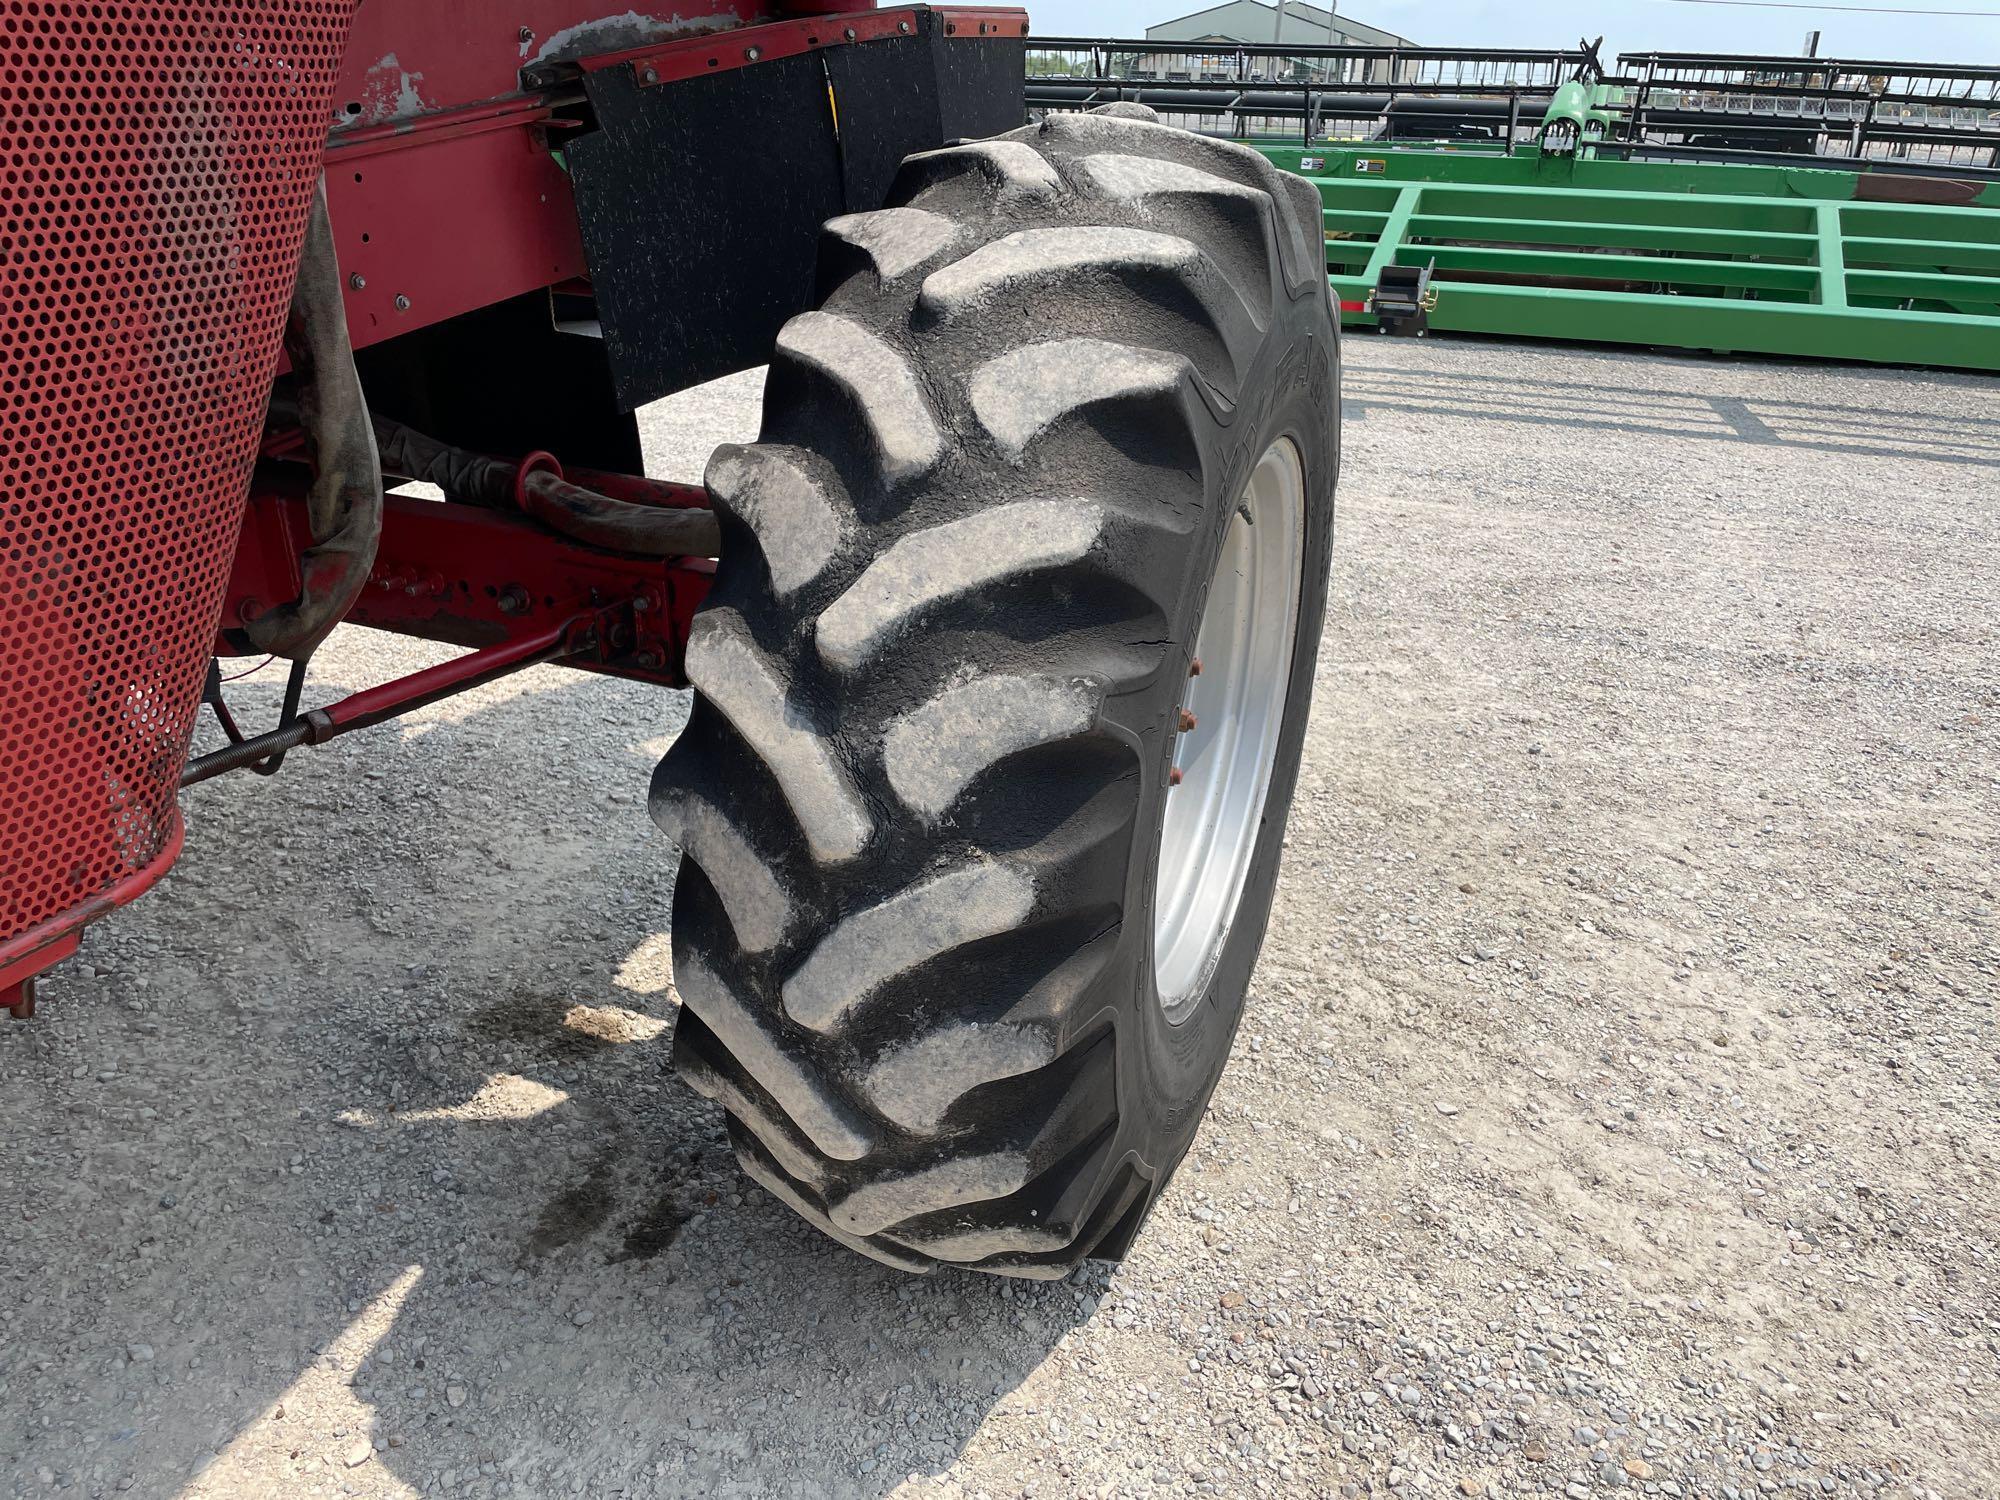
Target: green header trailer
1801	207
1726	257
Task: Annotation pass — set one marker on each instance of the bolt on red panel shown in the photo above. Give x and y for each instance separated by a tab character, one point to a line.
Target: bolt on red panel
157	159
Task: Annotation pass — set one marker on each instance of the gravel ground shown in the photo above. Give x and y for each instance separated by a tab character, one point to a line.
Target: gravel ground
1616	1110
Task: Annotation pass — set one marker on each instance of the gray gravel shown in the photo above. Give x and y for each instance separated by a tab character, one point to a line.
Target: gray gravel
1616	1111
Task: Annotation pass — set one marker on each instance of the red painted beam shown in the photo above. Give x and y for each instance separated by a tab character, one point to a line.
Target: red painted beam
479	578
696	57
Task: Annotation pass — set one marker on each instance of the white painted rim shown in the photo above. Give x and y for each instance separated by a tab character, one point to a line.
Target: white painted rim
1249	631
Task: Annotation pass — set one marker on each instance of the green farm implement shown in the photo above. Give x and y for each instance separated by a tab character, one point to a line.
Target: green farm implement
1751	259
1803	207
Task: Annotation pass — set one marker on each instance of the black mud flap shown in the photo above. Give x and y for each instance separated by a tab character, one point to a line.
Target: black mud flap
701	200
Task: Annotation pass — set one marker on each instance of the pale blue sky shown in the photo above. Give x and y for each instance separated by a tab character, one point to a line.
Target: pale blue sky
1626	25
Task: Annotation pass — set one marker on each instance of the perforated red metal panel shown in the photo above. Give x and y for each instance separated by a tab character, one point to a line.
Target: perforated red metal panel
156	165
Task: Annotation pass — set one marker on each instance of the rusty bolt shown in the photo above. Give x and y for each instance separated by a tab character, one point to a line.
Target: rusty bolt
1194	667
1175	777
1188	721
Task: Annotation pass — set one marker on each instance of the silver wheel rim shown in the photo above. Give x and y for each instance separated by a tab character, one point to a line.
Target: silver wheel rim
1224	763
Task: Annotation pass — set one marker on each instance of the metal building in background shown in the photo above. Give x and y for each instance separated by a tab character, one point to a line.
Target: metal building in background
1204	44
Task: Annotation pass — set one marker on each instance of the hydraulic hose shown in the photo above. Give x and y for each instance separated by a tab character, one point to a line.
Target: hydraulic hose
344	505
538	490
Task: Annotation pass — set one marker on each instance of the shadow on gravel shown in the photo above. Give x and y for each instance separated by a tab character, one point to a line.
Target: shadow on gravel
364	1172
620	1312
1668	409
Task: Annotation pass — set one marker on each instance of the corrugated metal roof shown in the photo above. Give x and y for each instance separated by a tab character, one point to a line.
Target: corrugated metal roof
1251	21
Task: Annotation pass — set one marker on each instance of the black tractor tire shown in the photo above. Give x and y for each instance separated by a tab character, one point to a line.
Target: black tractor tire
921	793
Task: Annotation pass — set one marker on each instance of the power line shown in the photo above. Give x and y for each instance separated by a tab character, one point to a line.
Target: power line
1865	10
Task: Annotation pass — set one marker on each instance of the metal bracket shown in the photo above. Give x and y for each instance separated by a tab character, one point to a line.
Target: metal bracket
1404	299
19	1000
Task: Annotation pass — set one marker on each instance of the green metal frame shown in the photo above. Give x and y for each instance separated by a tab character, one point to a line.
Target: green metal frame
1750	259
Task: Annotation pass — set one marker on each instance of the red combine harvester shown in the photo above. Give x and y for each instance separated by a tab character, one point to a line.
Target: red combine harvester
1002	635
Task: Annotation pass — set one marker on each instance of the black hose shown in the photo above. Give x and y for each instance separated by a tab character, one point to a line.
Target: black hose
344	506
470	478
211	694
578	513
599	521
295	691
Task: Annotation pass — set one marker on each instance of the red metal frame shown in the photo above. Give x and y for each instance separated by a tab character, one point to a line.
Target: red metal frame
569	641
448	214
581	639
672	62
444	195
479	578
983	20
447	195
411	58
27	954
